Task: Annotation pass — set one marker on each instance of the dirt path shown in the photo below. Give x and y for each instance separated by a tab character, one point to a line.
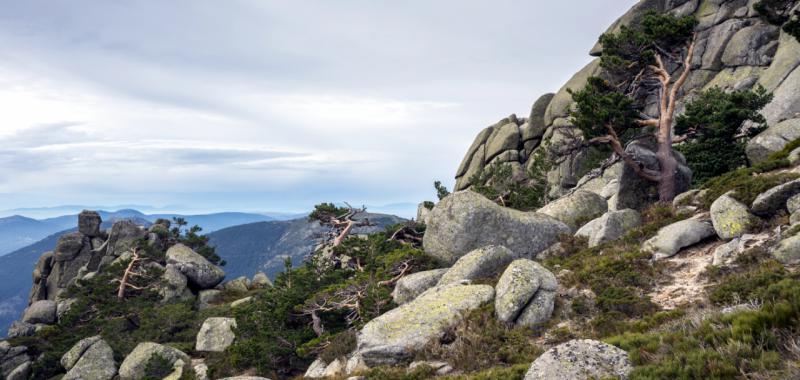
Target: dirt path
686	284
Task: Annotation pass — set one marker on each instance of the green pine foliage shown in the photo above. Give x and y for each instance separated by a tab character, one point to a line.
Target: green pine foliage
193	239
325	211
441	190
275	335
714	121
600	104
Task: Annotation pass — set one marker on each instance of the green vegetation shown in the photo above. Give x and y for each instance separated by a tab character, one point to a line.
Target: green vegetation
326	211
193	239
747	183
158	367
713	122
277	334
633	48
618	274
482	342
756	341
499	183
441	190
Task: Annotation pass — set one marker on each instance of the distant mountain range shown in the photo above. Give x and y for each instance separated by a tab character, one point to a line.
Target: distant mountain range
248	247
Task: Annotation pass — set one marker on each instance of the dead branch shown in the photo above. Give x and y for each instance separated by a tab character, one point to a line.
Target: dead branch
124	283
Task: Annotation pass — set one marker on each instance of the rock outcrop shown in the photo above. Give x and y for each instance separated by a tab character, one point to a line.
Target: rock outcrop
525	294
736	49
216	334
610	226
465	220
731	218
481	263
200	272
15	363
411	286
581	359
134	365
89	359
393	337
576	209
775	199
672	238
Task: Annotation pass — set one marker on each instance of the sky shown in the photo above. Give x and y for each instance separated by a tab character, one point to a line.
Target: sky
256	105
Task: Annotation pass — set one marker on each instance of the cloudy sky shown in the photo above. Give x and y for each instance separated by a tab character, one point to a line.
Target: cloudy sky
259	105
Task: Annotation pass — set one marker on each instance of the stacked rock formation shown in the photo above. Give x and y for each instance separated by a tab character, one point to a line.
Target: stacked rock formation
736	49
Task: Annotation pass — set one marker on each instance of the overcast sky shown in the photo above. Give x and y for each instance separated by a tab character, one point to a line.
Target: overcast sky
267	105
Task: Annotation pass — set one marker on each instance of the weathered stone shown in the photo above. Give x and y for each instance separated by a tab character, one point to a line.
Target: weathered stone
788	250
711	43
216	334
355	364
175	285
72	356
481	263
200	272
40	312
576	209
465	220
438	367
237	285
20	329
244	378
423	212
774	199
393	337
209	297
772	140
676	236
335	368
731	218
241	301
261	281
504	138
726	254
96	362
123	235
536	124
68	246
316	370
793	204
636	192
21	372
794	156
610	226
411	286
753	45
134	365
89	223
784	104
581	359
525	293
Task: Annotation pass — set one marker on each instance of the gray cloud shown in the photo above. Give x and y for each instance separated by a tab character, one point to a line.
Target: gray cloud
302	102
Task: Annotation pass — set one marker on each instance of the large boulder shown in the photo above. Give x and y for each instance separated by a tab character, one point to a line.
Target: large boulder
637	193
134	365
68	246
726	254
15	363
123	235
89	359
577	208
411	286
216	334
581	359
788	250
775	199
503	139
753	45
731	218
481	263
676	236
40	312
394	336
200	272
610	226
89	223
772	140
261	281
465	220
174	285
525	293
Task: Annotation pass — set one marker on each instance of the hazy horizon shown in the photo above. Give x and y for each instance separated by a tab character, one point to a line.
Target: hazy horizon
252	105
